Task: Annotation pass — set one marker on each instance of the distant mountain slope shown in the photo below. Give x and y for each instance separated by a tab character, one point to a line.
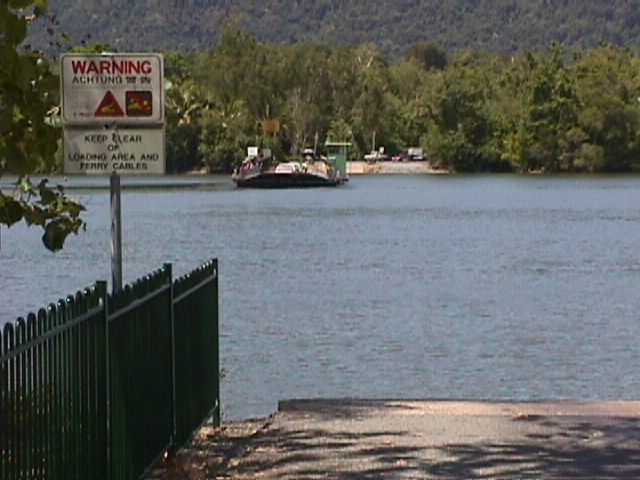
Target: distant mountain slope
492	25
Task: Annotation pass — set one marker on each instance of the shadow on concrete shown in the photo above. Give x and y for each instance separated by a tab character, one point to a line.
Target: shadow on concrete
582	451
557	448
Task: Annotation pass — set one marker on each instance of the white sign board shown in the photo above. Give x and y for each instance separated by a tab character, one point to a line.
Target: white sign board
112	88
252	151
104	151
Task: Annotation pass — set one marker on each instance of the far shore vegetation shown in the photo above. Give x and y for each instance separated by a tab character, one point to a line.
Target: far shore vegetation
470	112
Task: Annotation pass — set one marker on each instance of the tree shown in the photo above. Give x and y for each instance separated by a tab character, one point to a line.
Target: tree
184	105
608	88
408	82
372	117
428	55
226	130
29	131
309	99
458	109
551	113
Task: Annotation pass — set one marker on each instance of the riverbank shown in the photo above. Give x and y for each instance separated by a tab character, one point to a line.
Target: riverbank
370	439
392	168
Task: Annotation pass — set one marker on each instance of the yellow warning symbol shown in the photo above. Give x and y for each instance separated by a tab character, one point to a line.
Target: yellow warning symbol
109	107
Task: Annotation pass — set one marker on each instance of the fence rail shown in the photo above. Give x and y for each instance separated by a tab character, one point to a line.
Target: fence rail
99	386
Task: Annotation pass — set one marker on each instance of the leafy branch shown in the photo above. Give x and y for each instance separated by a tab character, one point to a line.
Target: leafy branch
29	131
43	206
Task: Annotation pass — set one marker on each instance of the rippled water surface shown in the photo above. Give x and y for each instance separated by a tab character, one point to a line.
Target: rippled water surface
485	287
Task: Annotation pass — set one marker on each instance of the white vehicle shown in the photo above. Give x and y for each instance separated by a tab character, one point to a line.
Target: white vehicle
289	167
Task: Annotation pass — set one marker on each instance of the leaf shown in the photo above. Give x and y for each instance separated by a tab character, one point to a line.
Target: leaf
34	216
47	196
25	73
50	85
25	185
20	3
74	209
6	120
11	211
15	29
9	58
55	233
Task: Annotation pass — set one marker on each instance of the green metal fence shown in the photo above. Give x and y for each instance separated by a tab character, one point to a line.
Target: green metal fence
52	391
196	348
99	386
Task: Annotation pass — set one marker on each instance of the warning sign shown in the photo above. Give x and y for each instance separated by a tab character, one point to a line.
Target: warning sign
139	104
97	151
122	88
109	107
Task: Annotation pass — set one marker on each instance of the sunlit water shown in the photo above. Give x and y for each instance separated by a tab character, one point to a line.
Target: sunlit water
484	287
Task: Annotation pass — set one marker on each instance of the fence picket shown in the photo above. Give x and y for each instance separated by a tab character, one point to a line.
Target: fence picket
3	409
8	444
4	403
19	388
43	426
30	399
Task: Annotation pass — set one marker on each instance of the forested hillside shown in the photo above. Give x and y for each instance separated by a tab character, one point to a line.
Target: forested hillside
509	26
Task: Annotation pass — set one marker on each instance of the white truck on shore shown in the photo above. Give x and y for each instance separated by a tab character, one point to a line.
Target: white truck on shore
416	154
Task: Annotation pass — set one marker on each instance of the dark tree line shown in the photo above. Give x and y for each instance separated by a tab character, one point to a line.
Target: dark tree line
506	26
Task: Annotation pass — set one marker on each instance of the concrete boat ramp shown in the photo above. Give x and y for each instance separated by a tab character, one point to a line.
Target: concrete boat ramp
380	439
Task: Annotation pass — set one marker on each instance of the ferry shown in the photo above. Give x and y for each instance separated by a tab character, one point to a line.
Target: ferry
259	170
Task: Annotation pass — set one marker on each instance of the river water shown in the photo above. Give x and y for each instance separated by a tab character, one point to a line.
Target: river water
478	287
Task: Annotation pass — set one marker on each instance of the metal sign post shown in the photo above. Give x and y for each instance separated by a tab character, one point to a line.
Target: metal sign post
116	234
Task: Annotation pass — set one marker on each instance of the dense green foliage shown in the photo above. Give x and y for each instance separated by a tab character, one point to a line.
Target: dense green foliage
536	111
475	83
506	26
471	112
29	137
387	73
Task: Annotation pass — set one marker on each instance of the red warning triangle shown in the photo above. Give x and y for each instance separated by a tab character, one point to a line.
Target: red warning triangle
109	107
